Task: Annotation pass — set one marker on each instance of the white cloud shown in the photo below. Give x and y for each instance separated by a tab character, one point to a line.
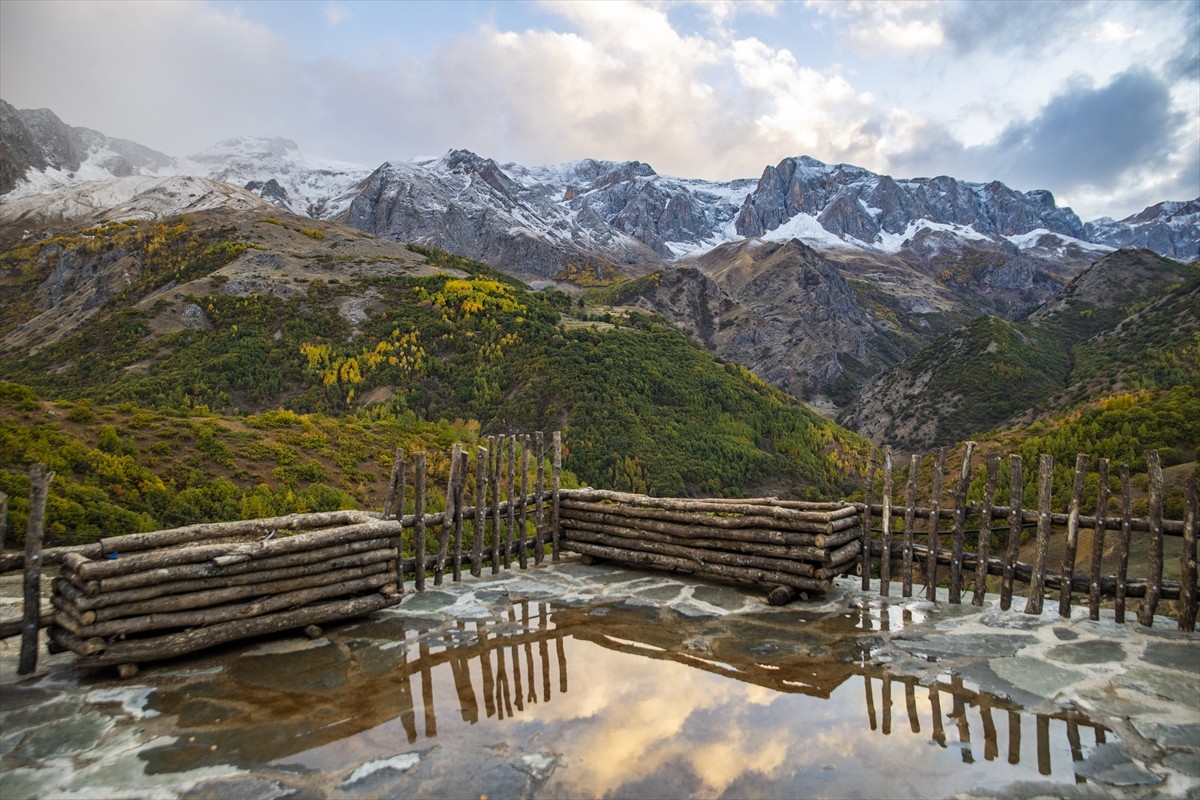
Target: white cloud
335	13
620	80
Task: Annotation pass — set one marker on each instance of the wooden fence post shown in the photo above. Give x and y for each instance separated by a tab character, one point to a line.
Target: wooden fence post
510	531
539	535
865	535
1123	543
439	563
1068	562
1187	558
985	531
885	558
555	483
495	445
39	487
910	502
522	537
1016	517
460	490
1154	584
1098	541
960	521
1037	582
419	528
481	455
935	504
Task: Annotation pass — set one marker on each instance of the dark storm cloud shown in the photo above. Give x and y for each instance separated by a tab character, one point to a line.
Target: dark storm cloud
1028	27
1086	136
1091	136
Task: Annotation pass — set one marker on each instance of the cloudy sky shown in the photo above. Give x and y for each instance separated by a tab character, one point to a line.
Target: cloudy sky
1098	102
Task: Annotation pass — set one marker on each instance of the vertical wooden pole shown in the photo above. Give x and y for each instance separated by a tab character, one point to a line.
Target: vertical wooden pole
990	746
1043	744
985	531
460	491
1154	584
522	538
1014	737
1098	541
1037	586
1068	562
397	467
39	487
960	522
555	484
539	534
396	510
419	520
1123	543
935	503
910	503
1187	557
439	563
511	530
481	455
885	702
866	520
1016	518
935	711
910	703
885	558
870	701
495	445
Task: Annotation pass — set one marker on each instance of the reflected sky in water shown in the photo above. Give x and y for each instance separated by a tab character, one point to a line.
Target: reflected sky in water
631	707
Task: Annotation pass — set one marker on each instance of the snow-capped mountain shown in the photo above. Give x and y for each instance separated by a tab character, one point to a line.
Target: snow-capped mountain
534	221
276	170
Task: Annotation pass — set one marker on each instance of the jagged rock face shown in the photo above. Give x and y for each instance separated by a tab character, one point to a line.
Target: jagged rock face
36	139
1171	229
851	202
785	312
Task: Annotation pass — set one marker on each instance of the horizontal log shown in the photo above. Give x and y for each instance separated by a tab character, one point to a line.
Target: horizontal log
253	608
847	552
11	626
230	530
699	532
829	573
1135	587
713	506
619	528
745	575
850	533
807	530
62	641
168	588
156	648
11	560
107	588
216	595
699	556
1030	518
155	559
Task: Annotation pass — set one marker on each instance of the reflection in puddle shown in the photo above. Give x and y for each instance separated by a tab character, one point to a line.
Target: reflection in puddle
625	705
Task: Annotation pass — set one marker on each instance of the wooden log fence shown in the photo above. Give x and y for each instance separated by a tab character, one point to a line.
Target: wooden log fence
1075	573
155	595
151	596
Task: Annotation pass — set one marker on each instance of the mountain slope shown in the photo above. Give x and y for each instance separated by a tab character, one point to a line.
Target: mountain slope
245	312
1132	308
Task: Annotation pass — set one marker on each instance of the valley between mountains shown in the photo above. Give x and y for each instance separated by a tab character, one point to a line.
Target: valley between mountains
251	331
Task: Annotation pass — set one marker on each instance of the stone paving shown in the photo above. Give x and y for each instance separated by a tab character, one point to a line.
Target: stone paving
327	718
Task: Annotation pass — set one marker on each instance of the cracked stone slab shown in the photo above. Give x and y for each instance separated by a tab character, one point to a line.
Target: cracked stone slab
1111	765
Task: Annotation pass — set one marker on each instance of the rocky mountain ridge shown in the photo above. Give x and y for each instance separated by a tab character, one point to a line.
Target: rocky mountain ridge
533	221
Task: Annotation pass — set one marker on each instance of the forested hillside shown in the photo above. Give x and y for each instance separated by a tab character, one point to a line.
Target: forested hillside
212	367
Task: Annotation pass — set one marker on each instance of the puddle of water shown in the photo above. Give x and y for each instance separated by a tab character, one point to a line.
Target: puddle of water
621	704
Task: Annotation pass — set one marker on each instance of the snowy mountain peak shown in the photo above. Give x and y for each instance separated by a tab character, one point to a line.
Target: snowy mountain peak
249	147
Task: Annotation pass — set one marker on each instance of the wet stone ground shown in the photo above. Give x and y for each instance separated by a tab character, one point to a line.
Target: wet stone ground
585	681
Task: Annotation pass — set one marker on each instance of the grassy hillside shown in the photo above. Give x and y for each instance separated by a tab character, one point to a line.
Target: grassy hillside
265	366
